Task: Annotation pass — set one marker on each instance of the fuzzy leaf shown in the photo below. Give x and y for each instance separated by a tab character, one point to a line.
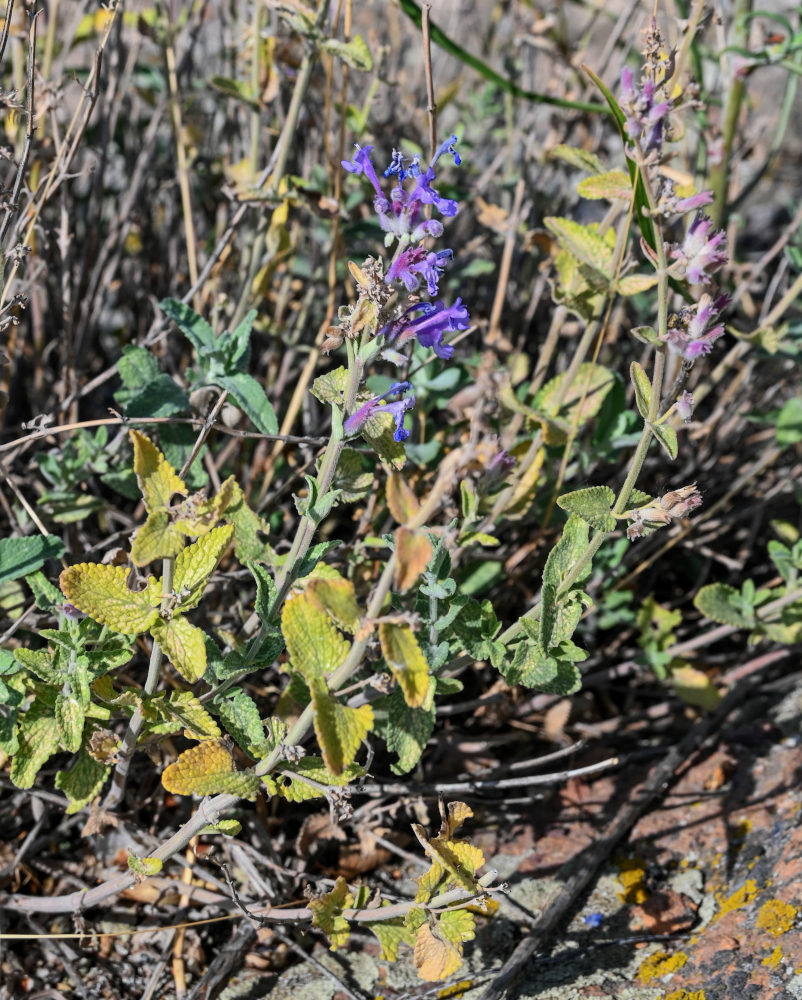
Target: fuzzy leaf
378	433
194	327
632	284
340	729
408	729
196	515
156	477
391	934
355	53
582	159
248	527
70	715
185	708
567	552
144	866
206	769
101	591
327	913
315	646
336	597
408	664
695	687
196	563
291	786
550	673
82	782
413	550
667	437
592	505
723	604
184	646
584	243
251	399
157	538
329	388
38	740
615	184
21	556
643	388
582	401
240	715
350	479
401	499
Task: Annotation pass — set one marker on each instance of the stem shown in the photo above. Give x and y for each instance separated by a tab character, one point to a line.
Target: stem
126	752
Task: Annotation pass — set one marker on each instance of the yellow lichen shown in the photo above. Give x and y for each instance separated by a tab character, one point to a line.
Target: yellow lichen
455	990
686	995
660	964
632	878
741	897
776	917
774	959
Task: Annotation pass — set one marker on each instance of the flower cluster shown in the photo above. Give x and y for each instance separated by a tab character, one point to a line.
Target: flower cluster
677	503
645	115
414	266
694	329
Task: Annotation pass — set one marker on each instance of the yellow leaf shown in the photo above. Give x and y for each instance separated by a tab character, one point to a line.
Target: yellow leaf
315	646
290	783
327	913
408	664
196	515
612	185
340	729
525	489
183	643
401	500
156	477
413	550
695	687
207	769
336	597
101	592
157	538
196	563
435	957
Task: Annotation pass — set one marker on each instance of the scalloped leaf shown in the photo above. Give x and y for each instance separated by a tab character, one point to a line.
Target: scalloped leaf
101	592
21	556
327	913
592	505
391	934
408	729
723	604
82	782
438	948
582	400
613	185
196	515
38	741
207	769
240	715
582	159
157	479
584	243
248	527
290	783
378	433
70	714
144	866
196	563
315	646
336	597
157	538
330	388
406	660
632	284
184	646
185	708
340	729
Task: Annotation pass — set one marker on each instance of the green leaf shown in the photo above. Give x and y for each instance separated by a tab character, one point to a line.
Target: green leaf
248	529
144	866
137	368
184	646
584	243
567	552
38	737
391	934
185	708
82	782
592	505
643	389
194	327
251	399
236	89
239	342
407	730
476	627
315	646
581	401
39	662
615	184
196	563
789	423
582	159
207	769
378	433
330	388
70	715
350	481
355	53
532	667
46	596
336	597
724	605
240	715
157	538
101	591
327	913
161	397
340	729
667	437
21	556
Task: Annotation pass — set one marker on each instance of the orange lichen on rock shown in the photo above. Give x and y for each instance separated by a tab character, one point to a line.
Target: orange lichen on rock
776	917
660	964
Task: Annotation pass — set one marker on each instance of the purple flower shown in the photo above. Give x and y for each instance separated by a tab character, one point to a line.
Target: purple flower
694	201
71	611
701	254
360	417
685	406
693	335
434	321
642	112
496	471
415	261
400	214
